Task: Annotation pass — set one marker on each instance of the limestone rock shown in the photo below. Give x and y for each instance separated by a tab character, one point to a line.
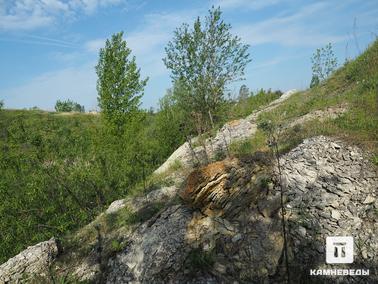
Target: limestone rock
155	251
115	206
224	188
369	199
231	132
334	202
34	261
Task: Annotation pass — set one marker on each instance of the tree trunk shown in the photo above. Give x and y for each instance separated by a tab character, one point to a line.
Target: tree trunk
211	119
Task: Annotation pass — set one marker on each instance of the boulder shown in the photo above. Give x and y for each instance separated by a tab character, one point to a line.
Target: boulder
33	261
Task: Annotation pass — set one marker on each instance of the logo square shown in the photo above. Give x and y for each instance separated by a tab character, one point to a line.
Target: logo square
339	250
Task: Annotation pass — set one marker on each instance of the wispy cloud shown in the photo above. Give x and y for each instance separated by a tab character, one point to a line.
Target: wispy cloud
32	14
94	45
147	42
39	40
293	28
245	4
275	61
77	83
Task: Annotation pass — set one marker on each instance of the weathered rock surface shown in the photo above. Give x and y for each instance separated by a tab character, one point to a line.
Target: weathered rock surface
88	268
218	221
232	213
156	250
35	260
332	190
228	227
230	132
226	187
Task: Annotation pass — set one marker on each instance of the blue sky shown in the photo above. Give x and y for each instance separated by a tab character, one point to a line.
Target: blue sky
48	48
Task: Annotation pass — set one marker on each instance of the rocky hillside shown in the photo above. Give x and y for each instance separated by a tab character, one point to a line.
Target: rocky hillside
228	225
215	215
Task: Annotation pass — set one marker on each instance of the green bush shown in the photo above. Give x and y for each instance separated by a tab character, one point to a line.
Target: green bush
59	172
67	106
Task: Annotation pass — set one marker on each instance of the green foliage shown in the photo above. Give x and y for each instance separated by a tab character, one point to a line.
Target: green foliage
66	106
119	86
204	60
116	246
200	260
374	159
354	87
314	81
243	93
248	146
58	172
324	62
177	165
1	104
172	127
246	106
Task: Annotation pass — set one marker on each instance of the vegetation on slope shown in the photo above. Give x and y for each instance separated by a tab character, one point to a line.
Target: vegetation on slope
353	87
58	172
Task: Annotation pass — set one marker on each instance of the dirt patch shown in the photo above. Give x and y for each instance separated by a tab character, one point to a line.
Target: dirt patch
234	123
331	112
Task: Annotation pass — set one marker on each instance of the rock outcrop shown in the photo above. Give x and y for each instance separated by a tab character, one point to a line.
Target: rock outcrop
33	261
332	190
228	226
232	131
217	235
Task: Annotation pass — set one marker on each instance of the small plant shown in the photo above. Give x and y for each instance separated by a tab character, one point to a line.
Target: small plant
177	165
219	155
249	146
324	62
68	106
273	132
199	259
374	159
116	246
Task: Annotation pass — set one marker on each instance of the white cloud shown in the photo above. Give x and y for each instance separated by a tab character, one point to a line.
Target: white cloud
94	45
78	84
246	4
293	29
90	6
32	14
148	41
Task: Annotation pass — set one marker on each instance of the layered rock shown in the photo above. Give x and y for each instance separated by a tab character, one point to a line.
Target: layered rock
226	187
332	190
233	131
228	226
218	220
33	261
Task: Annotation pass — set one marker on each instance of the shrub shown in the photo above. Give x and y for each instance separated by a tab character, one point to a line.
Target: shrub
68	106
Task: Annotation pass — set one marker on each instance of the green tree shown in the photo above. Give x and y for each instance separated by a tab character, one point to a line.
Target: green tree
324	62
1	105
205	59
119	85
243	93
68	106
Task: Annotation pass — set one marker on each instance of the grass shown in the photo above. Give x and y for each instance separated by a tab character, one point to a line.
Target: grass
200	260
250	145
353	86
